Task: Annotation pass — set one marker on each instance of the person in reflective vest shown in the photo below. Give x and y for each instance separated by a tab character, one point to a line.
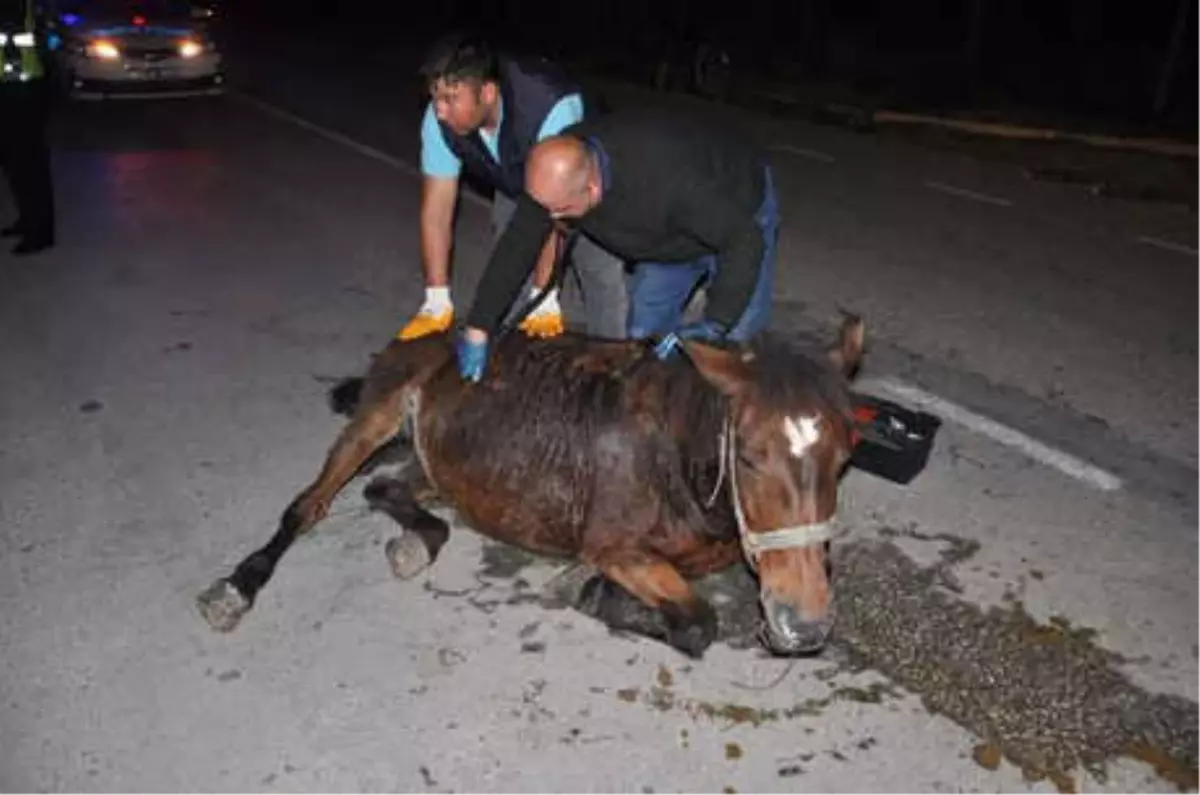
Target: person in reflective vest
24	108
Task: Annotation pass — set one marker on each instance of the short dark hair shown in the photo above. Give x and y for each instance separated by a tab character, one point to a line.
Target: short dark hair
460	57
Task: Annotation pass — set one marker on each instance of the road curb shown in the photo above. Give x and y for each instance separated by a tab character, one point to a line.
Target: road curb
863	119
1159	146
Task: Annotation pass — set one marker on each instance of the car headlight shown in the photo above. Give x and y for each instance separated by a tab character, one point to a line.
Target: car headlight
189	48
103	49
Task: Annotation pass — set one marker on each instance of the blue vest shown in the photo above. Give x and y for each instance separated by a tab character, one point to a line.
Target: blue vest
529	90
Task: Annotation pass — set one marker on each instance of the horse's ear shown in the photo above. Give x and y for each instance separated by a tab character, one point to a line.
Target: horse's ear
846	355
727	369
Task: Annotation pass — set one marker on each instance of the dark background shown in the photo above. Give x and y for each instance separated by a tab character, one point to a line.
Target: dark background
1093	64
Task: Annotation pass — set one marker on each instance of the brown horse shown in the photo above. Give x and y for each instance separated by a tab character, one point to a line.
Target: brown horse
652	472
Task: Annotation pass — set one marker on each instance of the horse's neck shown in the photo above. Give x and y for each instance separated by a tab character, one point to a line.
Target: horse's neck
702	451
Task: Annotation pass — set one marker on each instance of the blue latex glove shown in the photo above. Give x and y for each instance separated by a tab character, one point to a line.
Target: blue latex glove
472	358
701	331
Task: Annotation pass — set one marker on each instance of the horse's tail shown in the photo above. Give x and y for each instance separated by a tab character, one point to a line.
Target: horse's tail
345	396
847	354
399	366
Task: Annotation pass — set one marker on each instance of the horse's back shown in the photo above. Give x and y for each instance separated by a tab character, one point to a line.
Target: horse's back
522	453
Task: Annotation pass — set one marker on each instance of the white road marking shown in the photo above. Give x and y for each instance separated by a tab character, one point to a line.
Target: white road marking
346	141
811	154
1064	462
968	194
1178	248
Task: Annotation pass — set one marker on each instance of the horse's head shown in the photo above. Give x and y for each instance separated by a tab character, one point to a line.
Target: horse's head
787	440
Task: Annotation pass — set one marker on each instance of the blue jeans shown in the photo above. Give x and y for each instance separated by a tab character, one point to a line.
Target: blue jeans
660	290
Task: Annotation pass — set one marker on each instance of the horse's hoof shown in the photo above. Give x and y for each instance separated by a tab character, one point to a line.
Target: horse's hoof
222	605
693	634
408	555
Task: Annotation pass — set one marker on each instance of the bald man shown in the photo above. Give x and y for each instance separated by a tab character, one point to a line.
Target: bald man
692	204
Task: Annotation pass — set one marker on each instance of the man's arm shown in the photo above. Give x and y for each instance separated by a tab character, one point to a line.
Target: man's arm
706	213
438	197
515	254
543	271
439	192
567	111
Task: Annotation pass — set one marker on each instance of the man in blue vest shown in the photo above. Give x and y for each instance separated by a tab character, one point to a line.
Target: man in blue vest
24	107
486	113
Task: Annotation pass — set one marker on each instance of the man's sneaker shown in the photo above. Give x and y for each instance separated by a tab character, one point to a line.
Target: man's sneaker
425	323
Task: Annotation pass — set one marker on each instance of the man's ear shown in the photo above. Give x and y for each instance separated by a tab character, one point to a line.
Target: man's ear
489	92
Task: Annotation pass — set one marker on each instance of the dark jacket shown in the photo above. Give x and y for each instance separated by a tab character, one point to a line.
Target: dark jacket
676	189
529	88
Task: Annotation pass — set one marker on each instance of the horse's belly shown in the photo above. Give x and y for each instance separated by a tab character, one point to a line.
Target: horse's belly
529	521
536	483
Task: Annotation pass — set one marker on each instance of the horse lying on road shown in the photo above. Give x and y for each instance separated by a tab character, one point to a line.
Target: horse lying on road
654	473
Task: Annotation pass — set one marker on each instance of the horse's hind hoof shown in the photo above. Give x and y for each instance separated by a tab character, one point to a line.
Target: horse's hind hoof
408	555
222	605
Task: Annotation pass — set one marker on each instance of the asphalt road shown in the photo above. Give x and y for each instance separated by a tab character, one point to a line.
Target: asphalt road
221	260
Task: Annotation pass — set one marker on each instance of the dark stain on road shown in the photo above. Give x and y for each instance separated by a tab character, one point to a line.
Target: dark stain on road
1046	697
665	700
502	562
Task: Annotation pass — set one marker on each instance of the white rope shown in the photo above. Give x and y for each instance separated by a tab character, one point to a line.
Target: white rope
754	544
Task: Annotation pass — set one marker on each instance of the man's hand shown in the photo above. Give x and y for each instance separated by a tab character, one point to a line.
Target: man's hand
472	351
543	323
547	319
702	331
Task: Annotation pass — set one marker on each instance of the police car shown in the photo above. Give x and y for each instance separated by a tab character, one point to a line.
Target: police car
137	48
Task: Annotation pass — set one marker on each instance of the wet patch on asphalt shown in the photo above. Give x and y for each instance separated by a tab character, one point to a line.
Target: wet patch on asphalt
730	713
501	561
1045	697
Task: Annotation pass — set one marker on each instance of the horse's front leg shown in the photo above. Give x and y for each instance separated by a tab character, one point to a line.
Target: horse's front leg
679	617
424	533
225	602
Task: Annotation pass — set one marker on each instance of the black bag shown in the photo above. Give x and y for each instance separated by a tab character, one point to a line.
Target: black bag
892	442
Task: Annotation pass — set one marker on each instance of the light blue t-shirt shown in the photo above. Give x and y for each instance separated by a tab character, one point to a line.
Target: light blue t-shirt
437	160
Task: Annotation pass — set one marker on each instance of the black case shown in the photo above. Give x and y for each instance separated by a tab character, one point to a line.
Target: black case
894	442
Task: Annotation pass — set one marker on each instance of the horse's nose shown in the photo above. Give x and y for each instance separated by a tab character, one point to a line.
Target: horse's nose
788	633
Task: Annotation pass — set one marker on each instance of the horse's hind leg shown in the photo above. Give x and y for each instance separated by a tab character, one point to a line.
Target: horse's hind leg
225	602
687	622
424	533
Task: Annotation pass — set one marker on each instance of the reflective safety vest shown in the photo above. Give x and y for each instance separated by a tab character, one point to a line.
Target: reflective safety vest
20	60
